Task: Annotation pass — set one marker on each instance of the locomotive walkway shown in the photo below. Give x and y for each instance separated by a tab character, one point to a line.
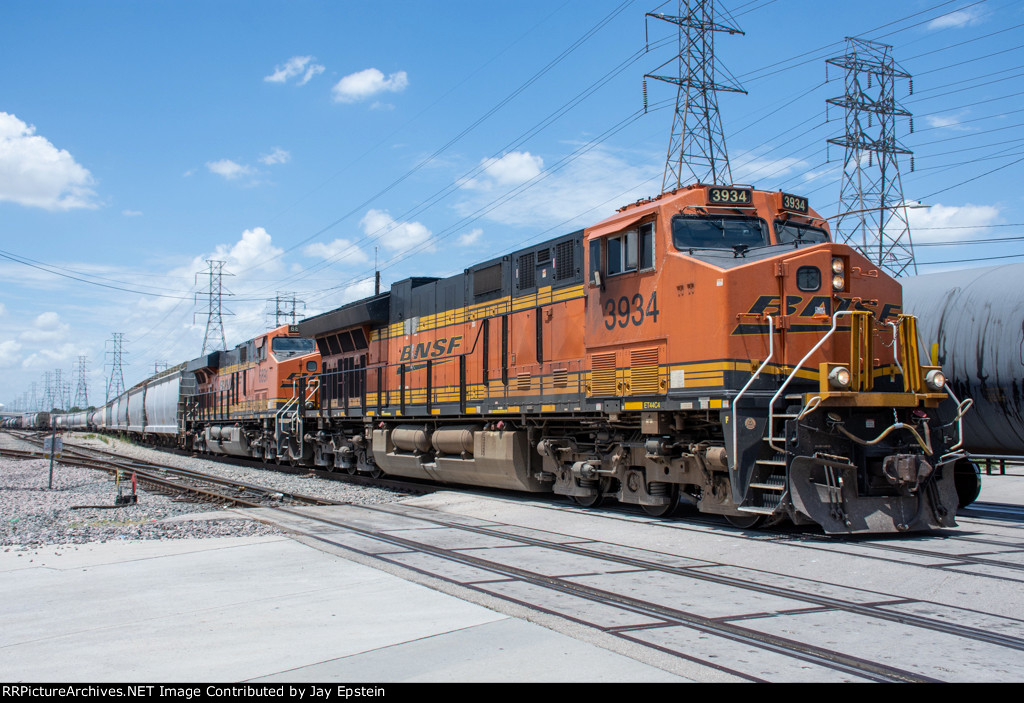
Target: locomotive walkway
313	609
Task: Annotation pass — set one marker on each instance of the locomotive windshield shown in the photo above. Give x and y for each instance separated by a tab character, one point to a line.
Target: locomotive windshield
703	232
286	347
792	232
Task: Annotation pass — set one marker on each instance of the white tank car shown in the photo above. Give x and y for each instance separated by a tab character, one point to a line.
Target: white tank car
972	321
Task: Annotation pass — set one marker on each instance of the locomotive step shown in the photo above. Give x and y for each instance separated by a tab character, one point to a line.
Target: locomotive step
768	486
756	509
772	462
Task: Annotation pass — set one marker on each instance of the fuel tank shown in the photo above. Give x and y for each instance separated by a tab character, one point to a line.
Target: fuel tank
972	322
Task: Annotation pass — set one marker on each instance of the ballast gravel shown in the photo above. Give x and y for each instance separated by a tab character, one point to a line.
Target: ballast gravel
80	507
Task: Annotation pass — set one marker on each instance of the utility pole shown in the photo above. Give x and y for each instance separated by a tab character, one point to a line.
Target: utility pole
872	212
696	148
115	385
214	310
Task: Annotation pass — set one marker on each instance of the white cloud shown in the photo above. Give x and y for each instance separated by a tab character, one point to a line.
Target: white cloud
583	192
35	173
394	235
950	222
470	238
3	309
229	169
364	84
947	122
511	169
961	18
46	328
296	65
253	250
10	353
131	213
50	355
341	250
277	156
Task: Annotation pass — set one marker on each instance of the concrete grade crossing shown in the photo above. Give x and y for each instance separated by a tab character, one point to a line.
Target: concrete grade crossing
295	609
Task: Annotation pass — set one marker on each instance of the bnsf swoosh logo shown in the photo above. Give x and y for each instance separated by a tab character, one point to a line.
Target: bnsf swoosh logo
809	307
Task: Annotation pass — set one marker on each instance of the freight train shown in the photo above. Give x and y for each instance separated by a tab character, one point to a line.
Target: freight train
711	346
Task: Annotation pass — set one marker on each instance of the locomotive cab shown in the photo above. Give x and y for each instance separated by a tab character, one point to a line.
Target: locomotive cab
768	372
250	401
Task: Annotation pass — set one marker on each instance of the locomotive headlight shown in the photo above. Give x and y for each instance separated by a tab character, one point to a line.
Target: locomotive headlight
839	378
935	380
838	282
837	265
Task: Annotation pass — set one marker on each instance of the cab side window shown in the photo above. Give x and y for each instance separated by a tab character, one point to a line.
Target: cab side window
595	260
647	246
632	250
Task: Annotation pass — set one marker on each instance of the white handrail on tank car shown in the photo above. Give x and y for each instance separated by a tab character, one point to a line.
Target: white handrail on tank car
736	400
782	388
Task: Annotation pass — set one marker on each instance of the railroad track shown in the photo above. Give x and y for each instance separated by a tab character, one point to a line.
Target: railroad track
673	604
171	480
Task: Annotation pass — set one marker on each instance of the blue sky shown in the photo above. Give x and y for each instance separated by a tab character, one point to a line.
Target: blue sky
291	139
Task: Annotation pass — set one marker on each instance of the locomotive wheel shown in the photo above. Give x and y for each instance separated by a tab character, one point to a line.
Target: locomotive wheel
376	472
352	470
745	522
589	501
594	501
663	510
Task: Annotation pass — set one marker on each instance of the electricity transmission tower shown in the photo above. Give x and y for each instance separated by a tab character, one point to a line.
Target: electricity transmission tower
697	146
82	389
872	213
286	308
48	397
115	386
58	390
214	310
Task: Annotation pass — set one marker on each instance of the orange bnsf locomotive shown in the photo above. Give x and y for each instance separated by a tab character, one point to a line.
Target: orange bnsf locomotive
249	401
711	346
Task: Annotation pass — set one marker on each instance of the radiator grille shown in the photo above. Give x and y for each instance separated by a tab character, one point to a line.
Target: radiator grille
602	376
644	374
527	274
565	267
560	378
523	381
